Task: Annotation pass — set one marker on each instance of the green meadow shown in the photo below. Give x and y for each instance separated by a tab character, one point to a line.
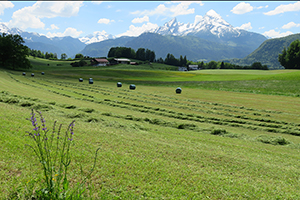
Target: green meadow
230	134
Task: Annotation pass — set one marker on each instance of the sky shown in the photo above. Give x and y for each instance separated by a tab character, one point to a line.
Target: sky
119	18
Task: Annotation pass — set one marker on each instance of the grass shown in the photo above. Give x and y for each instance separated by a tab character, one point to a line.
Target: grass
218	139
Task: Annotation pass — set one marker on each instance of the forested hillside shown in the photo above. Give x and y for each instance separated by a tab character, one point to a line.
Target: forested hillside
267	53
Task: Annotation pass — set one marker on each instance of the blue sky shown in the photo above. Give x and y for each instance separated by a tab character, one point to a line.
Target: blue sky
80	18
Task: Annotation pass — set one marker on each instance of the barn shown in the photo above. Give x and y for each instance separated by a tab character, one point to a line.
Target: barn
99	62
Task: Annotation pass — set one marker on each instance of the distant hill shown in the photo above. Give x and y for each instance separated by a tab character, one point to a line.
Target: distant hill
267	53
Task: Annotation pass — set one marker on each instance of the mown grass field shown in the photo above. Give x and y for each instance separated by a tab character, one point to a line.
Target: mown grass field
230	134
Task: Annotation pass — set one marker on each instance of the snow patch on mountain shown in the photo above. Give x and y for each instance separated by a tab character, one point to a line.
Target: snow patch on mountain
211	22
97	36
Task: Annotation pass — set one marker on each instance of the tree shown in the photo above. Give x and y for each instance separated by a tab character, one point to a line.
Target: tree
63	56
79	55
290	58
258	65
222	65
13	54
112	52
141	54
152	56
212	65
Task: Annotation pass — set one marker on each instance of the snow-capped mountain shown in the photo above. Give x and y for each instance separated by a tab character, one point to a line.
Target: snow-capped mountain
97	36
211	22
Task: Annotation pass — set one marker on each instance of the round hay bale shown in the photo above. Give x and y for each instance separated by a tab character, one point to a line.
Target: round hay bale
80	80
178	90
91	81
119	84
132	87
23	73
43	73
32	74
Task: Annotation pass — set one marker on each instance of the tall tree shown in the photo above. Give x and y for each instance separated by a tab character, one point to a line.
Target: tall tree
141	54
290	58
13	54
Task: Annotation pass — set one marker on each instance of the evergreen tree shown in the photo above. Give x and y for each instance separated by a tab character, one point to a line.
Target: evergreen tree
222	66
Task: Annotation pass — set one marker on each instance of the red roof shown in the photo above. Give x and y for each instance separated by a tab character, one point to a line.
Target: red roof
101	60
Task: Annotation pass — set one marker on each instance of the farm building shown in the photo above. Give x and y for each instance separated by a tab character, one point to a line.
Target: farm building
122	60
99	62
182	68
193	67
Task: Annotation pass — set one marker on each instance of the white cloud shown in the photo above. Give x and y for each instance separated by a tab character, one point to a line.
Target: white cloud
30	17
274	34
140	20
97	2
52	27
261	27
284	8
4	5
260	7
242	8
181	8
136	31
68	32
246	26
290	25
105	21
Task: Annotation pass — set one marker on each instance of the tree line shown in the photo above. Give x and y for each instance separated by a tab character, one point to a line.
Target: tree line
14	55
127	52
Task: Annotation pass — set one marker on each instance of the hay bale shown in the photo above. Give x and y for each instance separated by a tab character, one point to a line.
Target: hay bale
178	90
119	84
132	87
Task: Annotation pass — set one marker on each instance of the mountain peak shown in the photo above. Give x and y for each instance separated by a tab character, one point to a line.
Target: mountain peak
213	13
172	22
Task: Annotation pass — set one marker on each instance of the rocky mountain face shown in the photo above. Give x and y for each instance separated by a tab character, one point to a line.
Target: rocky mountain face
214	28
